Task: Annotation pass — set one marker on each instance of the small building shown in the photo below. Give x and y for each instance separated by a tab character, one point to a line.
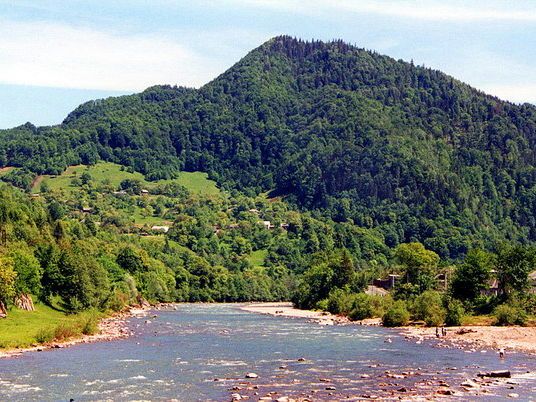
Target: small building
87	210
144	192
492	288
163	229
442	281
122	192
375	291
267	224
386	283
284	225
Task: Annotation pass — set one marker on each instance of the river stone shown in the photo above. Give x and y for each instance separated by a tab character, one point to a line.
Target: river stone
512	395
470	384
251	375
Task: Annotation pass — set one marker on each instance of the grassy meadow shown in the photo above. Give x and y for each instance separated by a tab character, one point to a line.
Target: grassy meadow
26	328
113	174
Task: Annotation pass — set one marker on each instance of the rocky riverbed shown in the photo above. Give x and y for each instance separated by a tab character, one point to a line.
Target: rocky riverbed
203	352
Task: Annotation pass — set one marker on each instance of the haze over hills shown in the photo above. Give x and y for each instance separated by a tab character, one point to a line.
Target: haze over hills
346	132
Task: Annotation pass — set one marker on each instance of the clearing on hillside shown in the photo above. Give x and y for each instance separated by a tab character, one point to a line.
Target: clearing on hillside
114	174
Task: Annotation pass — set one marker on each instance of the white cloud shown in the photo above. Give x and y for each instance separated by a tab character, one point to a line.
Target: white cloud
421	10
59	55
517	93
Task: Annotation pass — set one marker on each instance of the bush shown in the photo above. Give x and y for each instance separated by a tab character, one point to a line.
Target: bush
428	307
362	307
64	331
44	335
455	313
340	302
90	325
397	315
322	305
509	315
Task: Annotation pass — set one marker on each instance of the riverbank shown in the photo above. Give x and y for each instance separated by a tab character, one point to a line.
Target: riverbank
521	339
109	328
285	309
472	338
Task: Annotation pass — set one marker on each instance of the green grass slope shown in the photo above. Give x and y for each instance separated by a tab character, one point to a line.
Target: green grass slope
113	174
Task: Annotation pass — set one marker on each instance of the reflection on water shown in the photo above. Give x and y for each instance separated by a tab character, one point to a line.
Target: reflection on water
202	352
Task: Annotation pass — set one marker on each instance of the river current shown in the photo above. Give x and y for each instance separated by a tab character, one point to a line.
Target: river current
203	352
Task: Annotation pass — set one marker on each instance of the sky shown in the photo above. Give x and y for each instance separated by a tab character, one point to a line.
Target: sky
56	54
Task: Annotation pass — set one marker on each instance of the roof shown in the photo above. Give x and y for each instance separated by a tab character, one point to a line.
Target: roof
375	290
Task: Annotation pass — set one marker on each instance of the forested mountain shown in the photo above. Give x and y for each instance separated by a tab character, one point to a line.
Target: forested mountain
345	132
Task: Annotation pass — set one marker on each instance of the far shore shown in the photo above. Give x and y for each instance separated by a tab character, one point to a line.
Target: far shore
110	328
473	338
286	309
469	338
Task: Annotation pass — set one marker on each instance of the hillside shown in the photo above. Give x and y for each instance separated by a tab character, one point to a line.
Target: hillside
336	129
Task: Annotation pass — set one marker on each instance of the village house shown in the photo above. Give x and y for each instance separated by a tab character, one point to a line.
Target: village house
267	224
386	283
492	289
163	229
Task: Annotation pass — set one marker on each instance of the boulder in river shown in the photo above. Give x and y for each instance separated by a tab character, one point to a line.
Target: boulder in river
252	375
470	384
496	374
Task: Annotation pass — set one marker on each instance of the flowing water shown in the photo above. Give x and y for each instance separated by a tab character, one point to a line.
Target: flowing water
202	352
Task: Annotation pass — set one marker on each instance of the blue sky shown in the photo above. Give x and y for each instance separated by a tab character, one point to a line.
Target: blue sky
56	54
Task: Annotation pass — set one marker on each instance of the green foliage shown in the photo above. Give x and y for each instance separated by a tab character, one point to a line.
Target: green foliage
472	277
506	314
428	307
345	132
454	312
514	263
367	306
340	301
397	315
28	269
420	264
7	281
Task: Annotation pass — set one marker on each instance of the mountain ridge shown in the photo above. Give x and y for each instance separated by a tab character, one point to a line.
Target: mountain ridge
339	130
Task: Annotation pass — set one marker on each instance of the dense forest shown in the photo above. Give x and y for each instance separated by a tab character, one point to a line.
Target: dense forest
94	246
82	249
343	132
336	167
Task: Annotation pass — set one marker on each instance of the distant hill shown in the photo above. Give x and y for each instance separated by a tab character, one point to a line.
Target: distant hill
336	129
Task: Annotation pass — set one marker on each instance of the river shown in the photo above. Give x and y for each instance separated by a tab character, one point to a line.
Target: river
203	352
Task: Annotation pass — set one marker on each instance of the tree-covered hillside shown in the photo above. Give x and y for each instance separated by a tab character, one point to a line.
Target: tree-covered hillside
349	133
